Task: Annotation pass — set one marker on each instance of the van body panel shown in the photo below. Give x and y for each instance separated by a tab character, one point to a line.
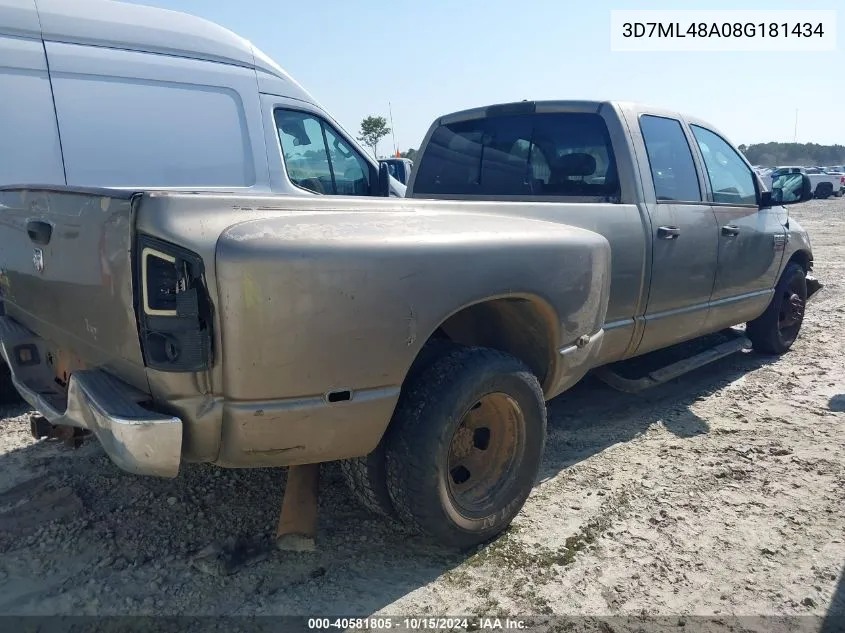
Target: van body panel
30	150
205	139
19	17
137	27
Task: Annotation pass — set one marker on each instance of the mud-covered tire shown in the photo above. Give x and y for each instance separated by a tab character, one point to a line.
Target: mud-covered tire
431	421
8	393
774	331
366	476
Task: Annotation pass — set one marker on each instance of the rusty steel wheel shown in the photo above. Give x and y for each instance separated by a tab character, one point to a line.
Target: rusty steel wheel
366	476
774	331
483	451
465	445
791	313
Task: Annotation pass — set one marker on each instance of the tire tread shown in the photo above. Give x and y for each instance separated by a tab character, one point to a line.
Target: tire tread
413	442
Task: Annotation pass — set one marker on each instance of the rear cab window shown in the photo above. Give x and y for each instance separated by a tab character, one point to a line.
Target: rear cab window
528	154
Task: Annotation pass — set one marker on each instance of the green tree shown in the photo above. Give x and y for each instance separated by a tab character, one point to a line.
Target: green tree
373	129
773	154
410	154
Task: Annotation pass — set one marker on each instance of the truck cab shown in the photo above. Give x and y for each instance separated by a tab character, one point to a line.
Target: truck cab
696	243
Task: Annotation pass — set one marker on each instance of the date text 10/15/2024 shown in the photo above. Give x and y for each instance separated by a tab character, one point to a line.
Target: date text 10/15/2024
413	624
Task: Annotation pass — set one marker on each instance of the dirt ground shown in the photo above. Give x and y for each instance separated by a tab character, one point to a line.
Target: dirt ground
718	494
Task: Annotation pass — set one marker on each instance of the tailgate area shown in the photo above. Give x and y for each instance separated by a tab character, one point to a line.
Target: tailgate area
66	274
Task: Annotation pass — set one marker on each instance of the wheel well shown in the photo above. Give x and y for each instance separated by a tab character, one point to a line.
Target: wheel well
803	259
521	327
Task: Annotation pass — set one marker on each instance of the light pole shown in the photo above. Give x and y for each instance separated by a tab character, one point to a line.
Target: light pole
392	132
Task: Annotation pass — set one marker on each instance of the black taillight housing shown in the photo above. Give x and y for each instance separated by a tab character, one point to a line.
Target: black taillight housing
173	307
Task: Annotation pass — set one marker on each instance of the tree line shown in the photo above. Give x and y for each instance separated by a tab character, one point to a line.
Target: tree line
806	154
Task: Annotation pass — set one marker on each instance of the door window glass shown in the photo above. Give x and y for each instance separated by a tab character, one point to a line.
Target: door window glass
731	179
670	158
351	171
318	159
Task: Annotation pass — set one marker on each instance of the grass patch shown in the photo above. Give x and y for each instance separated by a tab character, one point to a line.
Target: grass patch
509	552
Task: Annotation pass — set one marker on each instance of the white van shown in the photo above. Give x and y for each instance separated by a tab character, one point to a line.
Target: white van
97	93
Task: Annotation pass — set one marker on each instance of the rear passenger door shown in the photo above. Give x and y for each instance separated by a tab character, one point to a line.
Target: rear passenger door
684	235
751	239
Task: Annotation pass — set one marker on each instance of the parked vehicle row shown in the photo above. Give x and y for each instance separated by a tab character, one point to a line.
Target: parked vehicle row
171	295
824	183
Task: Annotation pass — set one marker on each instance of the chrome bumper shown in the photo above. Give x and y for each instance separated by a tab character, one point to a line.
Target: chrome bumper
136	439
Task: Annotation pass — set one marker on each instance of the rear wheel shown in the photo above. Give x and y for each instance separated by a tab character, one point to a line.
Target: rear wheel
366	476
776	329
465	446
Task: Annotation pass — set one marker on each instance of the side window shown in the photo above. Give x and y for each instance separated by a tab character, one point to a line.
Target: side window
730	178
670	158
304	149
351	171
317	159
547	154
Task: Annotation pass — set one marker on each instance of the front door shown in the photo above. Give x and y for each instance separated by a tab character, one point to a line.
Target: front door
684	238
751	240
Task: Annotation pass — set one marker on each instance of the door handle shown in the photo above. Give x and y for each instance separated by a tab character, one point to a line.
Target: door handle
668	232
39	232
730	230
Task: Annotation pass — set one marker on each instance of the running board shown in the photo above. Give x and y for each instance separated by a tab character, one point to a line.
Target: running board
670	372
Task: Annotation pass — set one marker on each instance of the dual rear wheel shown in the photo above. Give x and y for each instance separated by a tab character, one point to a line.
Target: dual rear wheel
463	449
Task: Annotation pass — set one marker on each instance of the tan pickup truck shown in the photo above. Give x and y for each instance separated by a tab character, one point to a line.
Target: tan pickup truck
417	340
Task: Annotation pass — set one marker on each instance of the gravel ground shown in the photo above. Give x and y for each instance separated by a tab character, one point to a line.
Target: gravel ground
718	494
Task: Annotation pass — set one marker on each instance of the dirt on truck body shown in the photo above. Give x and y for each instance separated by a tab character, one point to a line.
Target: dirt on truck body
414	340
716	499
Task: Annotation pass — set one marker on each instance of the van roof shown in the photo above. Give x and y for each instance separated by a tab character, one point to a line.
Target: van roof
138	27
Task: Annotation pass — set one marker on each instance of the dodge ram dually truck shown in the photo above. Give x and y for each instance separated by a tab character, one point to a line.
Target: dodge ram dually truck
415	340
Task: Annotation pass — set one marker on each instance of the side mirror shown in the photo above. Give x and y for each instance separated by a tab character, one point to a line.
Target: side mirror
789	189
383	181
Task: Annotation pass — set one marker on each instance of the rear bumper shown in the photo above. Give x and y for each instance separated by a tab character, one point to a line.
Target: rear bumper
136	439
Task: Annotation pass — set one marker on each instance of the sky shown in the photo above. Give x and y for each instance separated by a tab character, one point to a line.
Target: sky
426	58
